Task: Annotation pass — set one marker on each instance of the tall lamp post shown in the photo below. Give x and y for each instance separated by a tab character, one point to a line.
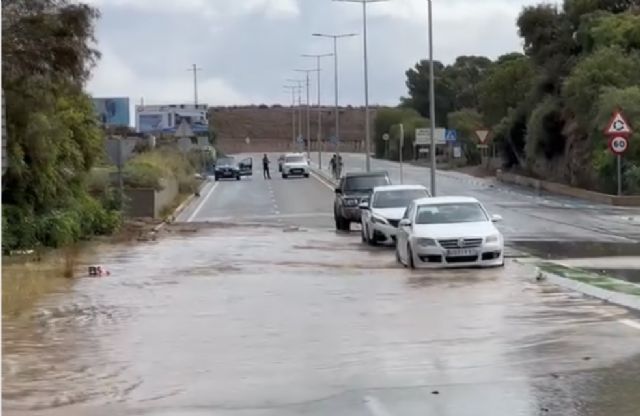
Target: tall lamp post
367	128
432	102
194	68
293	89
318	57
335	73
299	83
307	72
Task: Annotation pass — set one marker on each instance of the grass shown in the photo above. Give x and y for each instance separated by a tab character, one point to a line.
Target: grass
600	281
26	280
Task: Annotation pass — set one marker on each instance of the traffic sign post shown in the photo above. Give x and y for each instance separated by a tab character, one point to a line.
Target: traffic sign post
618	130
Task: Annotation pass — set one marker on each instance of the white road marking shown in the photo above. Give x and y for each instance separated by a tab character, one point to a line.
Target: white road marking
631	323
322	180
375	406
202	202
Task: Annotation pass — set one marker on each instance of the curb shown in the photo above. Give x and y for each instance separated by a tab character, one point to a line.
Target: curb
323	176
622	299
171	217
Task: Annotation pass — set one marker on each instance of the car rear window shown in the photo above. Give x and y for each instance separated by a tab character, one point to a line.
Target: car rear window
365	183
226	161
450	213
398	198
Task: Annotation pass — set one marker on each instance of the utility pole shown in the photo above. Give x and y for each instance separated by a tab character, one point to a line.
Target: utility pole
299	84
194	68
335	81
293	89
307	72
319	136
367	129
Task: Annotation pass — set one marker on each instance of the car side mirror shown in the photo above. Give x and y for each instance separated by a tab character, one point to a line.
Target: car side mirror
364	205
338	191
496	218
405	223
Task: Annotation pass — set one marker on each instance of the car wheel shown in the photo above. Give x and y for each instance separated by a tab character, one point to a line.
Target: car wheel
216	178
284	176
306	175
237	178
410	261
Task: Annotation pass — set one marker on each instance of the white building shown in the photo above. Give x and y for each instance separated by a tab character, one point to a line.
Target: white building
167	118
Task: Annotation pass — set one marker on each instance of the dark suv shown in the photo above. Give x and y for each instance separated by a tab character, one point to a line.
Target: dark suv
352	189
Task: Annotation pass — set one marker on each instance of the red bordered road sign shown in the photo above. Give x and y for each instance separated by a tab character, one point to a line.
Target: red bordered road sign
618	126
618	144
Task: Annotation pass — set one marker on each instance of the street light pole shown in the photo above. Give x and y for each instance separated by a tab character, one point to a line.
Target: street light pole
307	72
292	88
299	84
335	81
367	128
319	136
432	103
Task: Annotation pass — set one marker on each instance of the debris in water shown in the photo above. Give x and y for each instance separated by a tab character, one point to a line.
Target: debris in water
98	271
435	392
586	358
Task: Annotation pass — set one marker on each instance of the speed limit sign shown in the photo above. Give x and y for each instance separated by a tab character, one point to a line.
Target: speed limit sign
618	144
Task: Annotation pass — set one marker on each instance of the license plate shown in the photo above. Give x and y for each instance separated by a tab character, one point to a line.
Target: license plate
462	252
296	171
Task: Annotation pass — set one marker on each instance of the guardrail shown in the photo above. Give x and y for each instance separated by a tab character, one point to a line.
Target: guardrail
558	188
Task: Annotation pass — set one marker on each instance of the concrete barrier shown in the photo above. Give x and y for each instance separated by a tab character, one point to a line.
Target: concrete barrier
149	203
560	189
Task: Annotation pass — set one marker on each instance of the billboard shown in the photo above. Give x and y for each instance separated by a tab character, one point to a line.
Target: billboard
148	123
167	118
112	111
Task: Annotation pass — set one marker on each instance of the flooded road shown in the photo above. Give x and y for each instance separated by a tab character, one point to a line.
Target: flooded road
285	317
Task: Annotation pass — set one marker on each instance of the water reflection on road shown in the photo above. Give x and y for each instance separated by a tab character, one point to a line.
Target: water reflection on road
262	320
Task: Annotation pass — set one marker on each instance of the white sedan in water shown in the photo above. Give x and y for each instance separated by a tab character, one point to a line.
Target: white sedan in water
449	232
382	212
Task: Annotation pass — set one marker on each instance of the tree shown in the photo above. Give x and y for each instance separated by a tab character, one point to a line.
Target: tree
467	122
606	67
506	85
387	120
456	86
54	134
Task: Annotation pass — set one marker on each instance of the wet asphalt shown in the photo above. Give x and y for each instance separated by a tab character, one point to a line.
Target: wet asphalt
254	305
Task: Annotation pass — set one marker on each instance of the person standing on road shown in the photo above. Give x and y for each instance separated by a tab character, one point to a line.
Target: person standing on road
332	165
338	166
265	167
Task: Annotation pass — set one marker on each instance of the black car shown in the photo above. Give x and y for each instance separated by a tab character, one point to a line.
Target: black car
226	167
352	189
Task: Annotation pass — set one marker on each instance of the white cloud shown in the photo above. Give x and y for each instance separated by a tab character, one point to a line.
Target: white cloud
219	9
113	77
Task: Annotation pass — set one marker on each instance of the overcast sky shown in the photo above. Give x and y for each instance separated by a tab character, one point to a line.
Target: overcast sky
248	48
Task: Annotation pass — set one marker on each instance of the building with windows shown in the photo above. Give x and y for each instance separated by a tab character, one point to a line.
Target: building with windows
158	119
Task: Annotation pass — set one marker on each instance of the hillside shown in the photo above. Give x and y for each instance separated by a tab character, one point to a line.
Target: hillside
273	124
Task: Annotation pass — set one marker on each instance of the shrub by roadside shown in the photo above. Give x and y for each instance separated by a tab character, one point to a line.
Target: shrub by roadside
147	169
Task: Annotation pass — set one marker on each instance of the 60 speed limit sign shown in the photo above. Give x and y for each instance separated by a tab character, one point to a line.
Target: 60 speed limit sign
618	144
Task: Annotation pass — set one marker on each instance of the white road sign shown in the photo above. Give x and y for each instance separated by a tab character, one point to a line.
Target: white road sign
618	144
386	137
423	136
618	125
482	135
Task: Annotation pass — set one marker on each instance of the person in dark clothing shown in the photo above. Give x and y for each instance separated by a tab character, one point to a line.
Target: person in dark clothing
333	165
265	167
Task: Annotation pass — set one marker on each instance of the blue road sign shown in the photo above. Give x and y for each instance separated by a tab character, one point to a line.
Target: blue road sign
451	136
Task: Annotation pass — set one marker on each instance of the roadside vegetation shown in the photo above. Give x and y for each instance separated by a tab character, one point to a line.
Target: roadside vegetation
547	107
54	139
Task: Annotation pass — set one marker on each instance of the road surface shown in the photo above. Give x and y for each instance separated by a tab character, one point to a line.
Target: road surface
255	306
